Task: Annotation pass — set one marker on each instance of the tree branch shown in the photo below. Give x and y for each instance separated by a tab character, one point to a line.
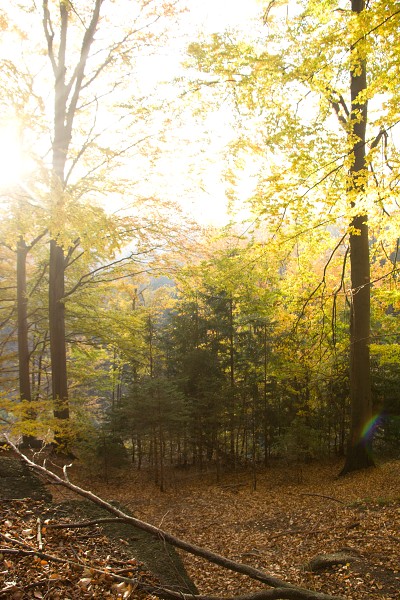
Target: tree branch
49	33
375	28
283	589
78	75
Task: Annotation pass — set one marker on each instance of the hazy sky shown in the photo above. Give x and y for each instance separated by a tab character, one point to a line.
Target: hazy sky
206	201
215	15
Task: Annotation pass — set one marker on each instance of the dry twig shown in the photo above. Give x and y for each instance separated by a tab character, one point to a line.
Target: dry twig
282	589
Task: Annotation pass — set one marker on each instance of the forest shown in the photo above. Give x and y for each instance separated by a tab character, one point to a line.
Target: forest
125	324
199	236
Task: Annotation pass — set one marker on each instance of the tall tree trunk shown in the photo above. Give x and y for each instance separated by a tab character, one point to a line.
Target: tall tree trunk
58	352
359	444
22	309
232	383
66	96
23	345
61	141
24	375
265	383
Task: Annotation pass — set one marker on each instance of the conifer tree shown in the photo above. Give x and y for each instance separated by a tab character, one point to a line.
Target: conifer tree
311	63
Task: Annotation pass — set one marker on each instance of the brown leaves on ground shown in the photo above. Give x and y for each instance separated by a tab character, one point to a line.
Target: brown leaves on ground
291	517
294	515
67	564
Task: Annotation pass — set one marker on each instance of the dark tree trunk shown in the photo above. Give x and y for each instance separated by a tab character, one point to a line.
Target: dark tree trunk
359	444
232	408
23	345
265	415
57	332
61	141
22	309
66	96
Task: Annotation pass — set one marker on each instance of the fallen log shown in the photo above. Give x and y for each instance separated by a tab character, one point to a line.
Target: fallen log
282	589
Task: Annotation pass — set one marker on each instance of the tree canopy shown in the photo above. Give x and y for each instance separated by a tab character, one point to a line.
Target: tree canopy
274	335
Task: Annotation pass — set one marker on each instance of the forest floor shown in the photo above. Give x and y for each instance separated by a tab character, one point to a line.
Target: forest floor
293	515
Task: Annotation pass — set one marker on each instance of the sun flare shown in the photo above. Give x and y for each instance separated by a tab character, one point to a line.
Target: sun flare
11	156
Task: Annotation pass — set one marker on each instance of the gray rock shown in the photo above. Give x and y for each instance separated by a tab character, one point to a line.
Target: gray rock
323	562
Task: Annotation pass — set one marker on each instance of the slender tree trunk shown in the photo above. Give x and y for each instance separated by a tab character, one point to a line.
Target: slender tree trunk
140	451
151	357
232	407
253	435
162	452
23	344
265	366
359	444
66	96
22	309
58	351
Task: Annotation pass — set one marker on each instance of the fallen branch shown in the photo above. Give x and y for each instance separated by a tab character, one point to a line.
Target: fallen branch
322	496
39	533
286	590
165	593
81	524
18	588
66	561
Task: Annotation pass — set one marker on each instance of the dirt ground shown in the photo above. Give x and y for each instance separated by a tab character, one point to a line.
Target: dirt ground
24	499
293	516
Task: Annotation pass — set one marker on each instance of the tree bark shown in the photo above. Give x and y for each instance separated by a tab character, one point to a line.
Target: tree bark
22	309
25	387
58	351
359	443
23	344
66	96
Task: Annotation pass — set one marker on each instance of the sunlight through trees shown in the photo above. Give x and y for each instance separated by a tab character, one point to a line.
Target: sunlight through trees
128	326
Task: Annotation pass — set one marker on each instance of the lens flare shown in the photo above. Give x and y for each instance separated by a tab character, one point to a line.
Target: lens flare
11	158
370	427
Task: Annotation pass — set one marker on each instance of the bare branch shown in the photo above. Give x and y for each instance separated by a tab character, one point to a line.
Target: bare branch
283	589
49	33
115	155
70	252
78	75
39	279
89	277
322	282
